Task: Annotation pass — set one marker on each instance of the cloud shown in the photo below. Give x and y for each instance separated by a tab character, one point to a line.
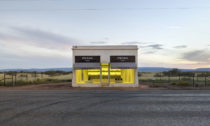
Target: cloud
141	44
200	56
98	42
24	42
151	48
43	38
131	43
29	47
149	52
180	46
155	46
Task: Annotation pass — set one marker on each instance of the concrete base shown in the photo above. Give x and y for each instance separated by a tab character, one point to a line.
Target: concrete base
108	85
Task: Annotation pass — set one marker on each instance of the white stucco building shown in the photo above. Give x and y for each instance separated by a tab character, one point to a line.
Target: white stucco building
105	66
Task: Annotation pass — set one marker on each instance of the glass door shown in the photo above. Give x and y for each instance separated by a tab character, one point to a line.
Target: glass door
105	73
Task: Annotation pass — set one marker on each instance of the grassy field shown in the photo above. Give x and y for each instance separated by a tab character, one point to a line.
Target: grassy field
150	77
31	78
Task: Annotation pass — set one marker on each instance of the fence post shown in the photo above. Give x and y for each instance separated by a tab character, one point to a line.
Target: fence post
160	75
4	79
193	80
169	75
15	78
205	79
197	76
35	75
26	77
12	79
42	75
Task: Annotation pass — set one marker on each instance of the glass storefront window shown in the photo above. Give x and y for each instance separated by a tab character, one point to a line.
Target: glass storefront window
122	76
87	76
105	75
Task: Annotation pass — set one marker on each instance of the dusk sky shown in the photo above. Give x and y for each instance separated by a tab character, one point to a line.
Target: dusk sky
40	33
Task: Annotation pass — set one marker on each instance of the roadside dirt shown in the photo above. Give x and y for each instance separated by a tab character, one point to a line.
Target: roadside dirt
67	86
51	86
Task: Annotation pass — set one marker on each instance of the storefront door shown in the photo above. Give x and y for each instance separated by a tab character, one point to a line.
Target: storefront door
105	74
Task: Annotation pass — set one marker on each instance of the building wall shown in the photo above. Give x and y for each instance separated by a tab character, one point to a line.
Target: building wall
105	54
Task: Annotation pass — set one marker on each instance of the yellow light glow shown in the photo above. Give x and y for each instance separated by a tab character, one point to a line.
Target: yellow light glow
87	76
106	75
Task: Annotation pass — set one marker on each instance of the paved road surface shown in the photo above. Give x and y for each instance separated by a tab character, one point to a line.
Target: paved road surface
105	108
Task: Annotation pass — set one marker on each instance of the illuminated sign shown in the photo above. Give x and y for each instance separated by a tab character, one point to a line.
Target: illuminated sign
122	59
87	59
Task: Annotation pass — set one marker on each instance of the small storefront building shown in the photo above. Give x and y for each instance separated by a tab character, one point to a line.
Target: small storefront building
105	66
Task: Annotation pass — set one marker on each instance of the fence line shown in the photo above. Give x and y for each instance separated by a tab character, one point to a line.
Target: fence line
194	79
19	78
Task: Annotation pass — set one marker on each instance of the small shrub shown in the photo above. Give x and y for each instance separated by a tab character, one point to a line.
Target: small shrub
21	82
1	83
157	75
173	83
183	83
49	80
139	74
154	86
69	80
186	79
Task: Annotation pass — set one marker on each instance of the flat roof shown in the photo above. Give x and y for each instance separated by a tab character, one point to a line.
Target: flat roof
106	47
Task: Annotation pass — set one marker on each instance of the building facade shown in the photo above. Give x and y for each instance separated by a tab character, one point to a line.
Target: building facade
105	66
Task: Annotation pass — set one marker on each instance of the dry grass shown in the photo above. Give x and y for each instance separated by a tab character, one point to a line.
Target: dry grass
30	78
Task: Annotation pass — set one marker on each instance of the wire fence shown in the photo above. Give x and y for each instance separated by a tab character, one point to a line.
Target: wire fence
193	79
24	78
190	79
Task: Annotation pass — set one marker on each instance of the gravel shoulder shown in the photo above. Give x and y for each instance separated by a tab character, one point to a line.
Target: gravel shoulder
67	86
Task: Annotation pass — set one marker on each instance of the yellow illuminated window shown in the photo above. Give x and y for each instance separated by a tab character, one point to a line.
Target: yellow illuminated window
122	76
87	76
105	75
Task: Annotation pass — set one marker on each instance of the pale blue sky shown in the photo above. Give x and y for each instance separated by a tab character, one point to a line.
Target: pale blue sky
40	33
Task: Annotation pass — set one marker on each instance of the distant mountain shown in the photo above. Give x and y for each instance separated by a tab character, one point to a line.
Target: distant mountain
140	69
161	69
203	69
153	69
38	69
